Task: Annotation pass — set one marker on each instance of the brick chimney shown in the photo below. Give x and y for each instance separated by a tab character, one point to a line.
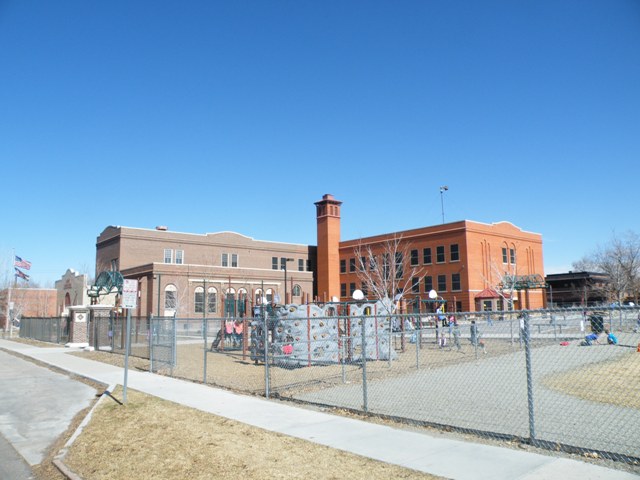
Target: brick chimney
328	225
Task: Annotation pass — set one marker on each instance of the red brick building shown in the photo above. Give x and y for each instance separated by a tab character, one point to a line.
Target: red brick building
465	262
223	274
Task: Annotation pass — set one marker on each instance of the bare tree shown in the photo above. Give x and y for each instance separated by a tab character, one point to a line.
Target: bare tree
620	261
383	271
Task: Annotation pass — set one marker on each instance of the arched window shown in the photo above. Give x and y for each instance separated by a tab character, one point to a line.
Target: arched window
212	300
170	300
258	296
242	302
198	300
269	295
296	291
230	303
67	299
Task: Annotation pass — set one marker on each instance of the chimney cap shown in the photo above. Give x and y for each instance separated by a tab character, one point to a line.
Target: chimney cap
162	228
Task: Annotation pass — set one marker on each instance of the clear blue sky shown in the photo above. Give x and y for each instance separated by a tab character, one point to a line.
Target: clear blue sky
207	116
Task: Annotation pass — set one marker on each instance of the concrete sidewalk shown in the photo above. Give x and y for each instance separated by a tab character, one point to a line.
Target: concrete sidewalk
420	451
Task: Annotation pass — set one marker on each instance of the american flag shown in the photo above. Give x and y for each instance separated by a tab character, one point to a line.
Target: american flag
19	262
21	274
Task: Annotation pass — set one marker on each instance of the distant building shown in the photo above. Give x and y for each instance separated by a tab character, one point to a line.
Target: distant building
213	274
71	290
26	302
573	289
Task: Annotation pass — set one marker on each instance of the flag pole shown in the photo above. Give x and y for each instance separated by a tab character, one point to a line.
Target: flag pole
7	323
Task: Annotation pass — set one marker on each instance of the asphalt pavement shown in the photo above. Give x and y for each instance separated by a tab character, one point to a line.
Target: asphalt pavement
457	459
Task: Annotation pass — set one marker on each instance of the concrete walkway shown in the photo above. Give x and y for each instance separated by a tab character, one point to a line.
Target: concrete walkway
420	451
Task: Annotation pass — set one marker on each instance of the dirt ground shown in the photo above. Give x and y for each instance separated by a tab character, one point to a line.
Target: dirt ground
153	438
185	440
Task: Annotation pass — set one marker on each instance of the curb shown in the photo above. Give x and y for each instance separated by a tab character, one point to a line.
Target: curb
58	460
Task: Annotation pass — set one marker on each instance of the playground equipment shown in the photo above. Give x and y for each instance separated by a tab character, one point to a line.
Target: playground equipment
305	335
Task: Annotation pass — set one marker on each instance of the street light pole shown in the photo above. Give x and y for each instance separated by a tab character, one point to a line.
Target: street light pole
443	189
286	260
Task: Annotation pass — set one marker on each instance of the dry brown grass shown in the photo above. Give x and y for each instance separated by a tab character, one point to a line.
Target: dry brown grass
616	382
154	438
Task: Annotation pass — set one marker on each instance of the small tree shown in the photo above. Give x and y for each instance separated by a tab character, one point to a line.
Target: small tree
383	271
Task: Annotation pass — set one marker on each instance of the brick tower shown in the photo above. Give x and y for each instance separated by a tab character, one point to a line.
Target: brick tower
328	270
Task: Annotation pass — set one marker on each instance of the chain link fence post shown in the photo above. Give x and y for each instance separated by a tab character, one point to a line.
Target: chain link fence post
363	357
530	403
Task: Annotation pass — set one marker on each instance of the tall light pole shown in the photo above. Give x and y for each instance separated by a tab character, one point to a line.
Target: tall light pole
286	260
443	189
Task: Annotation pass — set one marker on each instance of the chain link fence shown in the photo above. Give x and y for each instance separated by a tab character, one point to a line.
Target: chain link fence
45	329
564	379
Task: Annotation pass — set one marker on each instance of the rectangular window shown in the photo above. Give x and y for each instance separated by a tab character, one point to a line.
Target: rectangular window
365	288
225	259
343	266
504	256
442	283
363	262
512	255
399	265
440	254
454	251
415	285
283	263
428	283
308	265
352	264
199	302
274	263
372	263
301	264
426	256
386	265
352	288
168	255
234	260
455	282
343	289
414	258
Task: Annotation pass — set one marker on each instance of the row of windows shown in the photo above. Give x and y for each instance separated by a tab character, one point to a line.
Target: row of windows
441	285
414	260
173	256
279	263
210	300
509	255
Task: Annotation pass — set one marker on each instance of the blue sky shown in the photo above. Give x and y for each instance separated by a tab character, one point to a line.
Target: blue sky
209	116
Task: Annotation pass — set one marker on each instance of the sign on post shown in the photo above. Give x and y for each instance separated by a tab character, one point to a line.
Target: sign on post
129	301
130	294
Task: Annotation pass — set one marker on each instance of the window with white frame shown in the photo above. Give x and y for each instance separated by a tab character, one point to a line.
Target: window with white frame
234	260
225	260
301	265
505	259
454	252
212	300
512	256
198	300
179	257
170	297
168	255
